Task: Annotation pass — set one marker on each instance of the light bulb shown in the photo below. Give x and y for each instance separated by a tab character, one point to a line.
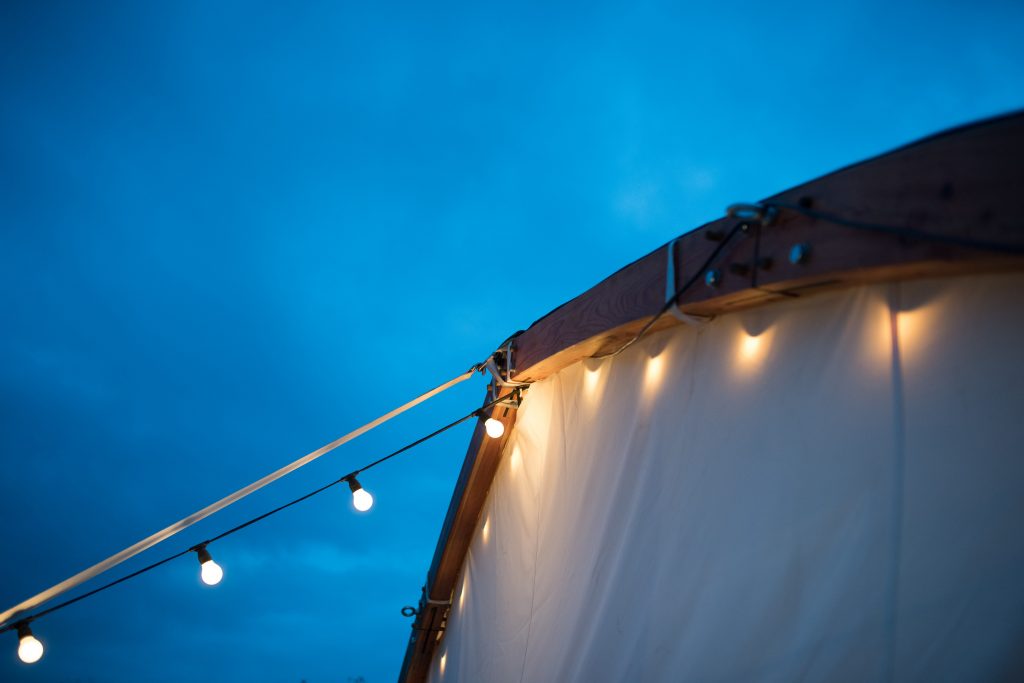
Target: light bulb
494	428
209	571
362	500
30	650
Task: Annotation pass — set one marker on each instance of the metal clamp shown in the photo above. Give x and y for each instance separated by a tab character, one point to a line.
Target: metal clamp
501	366
442	603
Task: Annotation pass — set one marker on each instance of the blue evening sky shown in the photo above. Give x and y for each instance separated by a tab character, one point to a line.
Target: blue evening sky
231	232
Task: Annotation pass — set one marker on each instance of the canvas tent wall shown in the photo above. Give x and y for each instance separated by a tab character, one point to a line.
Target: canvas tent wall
820	487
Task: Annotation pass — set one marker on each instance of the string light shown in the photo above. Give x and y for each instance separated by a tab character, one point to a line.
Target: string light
494	428
210	572
362	499
30	650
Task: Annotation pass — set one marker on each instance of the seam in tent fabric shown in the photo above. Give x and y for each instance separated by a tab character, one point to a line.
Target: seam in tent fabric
898	472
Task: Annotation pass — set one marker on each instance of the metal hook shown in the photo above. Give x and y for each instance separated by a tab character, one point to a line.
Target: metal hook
755	213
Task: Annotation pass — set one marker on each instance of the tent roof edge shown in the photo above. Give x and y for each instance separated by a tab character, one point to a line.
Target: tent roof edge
963	183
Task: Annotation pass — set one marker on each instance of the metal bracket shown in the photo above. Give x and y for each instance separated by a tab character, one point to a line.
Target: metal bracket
761	215
501	365
425	599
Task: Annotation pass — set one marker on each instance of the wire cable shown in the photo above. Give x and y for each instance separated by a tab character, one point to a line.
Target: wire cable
908	233
13	623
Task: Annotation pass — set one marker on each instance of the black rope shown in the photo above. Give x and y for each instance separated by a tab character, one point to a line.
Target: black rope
265	515
25	620
12	625
908	233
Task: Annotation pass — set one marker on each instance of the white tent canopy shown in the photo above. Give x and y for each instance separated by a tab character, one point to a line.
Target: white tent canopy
827	488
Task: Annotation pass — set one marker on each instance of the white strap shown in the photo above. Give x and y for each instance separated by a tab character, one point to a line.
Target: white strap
162	535
670	290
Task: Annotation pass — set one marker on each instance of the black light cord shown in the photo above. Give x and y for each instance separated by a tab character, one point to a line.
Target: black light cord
908	233
26	620
14	624
679	292
476	413
265	515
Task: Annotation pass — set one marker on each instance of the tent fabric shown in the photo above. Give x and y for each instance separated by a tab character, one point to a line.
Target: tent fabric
825	489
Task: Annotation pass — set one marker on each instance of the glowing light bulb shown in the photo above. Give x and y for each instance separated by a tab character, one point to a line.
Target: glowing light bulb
362	500
209	571
494	428
30	650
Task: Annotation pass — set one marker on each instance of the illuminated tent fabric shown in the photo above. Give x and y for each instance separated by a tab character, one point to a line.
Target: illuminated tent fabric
828	488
